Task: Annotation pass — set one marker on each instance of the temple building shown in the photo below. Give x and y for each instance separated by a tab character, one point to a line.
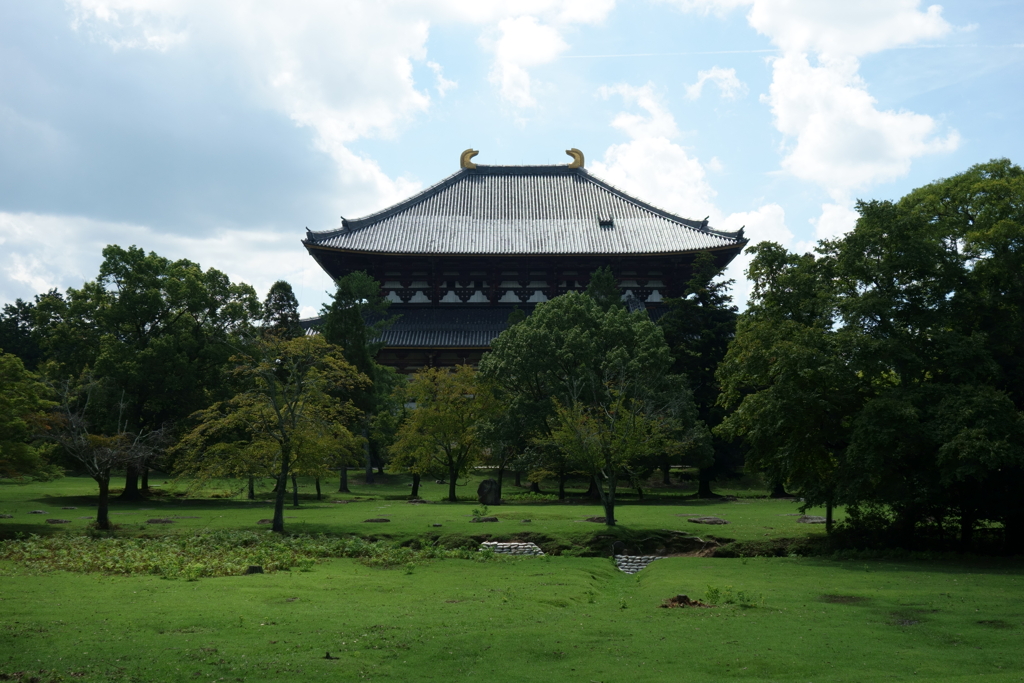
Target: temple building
458	257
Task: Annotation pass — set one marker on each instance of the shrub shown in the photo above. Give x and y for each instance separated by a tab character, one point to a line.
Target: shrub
215	553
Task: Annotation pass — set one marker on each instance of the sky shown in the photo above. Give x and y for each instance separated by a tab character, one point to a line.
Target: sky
220	131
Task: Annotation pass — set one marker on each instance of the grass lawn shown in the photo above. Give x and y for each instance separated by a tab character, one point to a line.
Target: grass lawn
507	619
530	619
751	516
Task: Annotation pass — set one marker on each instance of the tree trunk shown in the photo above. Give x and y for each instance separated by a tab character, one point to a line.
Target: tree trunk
145	481
343	480
535	487
295	491
415	485
828	517
252	487
453	474
594	492
103	509
561	486
608	500
704	485
639	493
609	512
318	496
779	491
369	458
131	484
519	478
666	471
967	518
282	488
1013	533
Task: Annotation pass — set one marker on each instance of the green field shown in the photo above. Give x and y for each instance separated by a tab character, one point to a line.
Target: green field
504	619
751	515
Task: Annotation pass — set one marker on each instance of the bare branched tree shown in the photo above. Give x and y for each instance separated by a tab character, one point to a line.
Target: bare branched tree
73	426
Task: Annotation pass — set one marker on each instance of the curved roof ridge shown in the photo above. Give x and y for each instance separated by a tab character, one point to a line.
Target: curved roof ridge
356	223
348	224
664	213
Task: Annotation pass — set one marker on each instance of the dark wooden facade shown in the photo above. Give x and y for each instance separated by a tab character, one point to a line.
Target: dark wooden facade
456	259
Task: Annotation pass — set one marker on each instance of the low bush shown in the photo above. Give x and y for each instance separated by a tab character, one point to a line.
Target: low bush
216	553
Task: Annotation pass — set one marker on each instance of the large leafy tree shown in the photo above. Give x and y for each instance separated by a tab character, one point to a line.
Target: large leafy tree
160	330
787	374
443	431
896	351
698	328
355	320
23	402
574	353
18	333
281	311
291	409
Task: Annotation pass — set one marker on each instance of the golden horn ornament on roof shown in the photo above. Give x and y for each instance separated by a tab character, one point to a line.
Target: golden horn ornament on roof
465	160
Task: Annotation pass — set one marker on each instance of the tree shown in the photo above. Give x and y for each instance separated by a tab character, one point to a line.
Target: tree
84	404
160	330
573	353
355	320
23	402
788	379
291	408
603	288
606	439
885	369
18	333
698	328
281	312
442	432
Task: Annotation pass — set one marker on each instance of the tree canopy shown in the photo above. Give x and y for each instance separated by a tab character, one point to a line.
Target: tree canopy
23	402
574	361
291	411
885	368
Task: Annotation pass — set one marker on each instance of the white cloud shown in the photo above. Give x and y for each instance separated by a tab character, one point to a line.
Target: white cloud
443	85
836	136
765	224
845	29
522	42
834	29
656	122
728	84
342	69
835	220
839	138
651	165
256	256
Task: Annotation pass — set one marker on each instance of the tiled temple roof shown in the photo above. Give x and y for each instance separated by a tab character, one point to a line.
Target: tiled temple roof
523	210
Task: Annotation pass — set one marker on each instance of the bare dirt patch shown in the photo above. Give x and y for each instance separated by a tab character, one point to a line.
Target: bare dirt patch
843	599
682	601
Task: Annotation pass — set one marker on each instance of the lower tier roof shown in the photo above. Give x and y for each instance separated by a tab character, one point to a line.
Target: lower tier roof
454	327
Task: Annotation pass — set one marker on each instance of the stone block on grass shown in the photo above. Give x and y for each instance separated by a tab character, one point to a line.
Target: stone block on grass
707	520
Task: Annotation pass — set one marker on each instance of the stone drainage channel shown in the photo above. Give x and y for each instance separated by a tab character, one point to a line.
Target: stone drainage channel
512	548
631	564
